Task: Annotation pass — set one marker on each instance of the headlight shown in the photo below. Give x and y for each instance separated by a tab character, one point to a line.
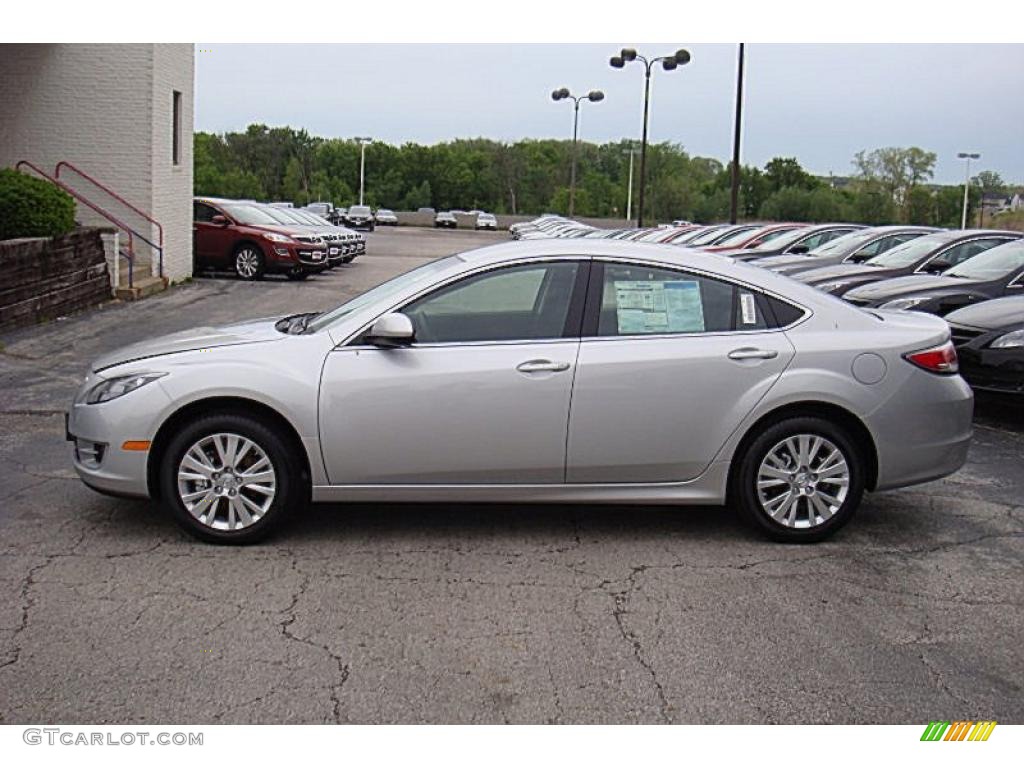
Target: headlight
905	303
114	388
274	237
1011	340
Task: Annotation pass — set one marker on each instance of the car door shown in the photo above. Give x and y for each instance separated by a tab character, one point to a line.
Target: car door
482	394
670	364
211	243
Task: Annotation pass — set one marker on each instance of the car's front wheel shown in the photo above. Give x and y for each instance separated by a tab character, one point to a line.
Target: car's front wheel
230	479
800	480
249	263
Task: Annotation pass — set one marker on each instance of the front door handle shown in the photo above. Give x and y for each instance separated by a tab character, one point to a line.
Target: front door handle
537	366
749	353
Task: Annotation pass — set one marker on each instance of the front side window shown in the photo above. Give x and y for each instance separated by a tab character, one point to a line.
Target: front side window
525	302
203	212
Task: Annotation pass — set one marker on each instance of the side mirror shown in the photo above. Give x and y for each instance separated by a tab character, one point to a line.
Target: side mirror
391	330
936	266
218	219
860	257
798	249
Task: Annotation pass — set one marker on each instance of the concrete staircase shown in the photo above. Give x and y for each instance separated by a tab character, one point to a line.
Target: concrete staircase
144	282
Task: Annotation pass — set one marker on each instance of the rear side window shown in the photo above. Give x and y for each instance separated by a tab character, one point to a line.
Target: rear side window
638	300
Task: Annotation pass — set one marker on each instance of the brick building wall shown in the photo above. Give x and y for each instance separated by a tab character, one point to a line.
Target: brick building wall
107	109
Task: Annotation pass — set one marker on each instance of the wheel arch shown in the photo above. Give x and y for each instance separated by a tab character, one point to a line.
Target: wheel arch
841	416
219	405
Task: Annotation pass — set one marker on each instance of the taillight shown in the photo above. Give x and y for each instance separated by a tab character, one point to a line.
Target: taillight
940	359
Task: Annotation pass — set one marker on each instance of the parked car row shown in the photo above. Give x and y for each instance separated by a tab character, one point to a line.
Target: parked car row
974	278
449	219
254	239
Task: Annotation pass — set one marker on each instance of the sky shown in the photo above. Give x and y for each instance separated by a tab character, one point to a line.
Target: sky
818	103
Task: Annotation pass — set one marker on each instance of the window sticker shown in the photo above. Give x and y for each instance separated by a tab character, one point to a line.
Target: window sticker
658	306
748	309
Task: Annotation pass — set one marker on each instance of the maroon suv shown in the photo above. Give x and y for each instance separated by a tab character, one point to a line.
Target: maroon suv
228	234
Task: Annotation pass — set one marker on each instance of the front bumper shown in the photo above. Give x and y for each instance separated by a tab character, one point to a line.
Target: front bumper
98	433
987	369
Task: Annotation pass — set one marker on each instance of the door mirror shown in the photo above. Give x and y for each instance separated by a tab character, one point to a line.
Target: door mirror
798	249
218	219
936	266
391	330
860	257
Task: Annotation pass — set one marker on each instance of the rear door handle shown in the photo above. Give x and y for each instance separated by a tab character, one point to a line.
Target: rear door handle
749	353
537	366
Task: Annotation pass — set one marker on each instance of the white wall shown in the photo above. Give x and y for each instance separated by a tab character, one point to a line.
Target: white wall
107	109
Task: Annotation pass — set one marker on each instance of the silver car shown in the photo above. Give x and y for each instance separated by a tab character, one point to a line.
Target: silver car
548	371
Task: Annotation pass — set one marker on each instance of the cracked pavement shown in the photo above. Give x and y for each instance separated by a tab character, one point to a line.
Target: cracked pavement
402	613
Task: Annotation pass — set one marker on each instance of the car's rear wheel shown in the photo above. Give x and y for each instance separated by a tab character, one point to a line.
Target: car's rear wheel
230	479
800	480
249	262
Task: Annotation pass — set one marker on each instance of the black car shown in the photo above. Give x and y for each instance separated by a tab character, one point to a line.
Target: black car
928	254
359	217
796	241
989	339
997	272
852	248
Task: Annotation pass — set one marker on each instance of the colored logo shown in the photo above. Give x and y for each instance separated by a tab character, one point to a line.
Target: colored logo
960	730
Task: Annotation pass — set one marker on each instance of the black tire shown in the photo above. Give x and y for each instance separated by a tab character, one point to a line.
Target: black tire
807	526
292	486
298	273
248	262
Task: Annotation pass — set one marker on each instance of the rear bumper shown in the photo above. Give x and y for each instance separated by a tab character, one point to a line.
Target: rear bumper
923	432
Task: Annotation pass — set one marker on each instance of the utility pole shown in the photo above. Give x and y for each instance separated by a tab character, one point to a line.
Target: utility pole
734	199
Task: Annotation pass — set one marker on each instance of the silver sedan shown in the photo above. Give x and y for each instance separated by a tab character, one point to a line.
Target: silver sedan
549	371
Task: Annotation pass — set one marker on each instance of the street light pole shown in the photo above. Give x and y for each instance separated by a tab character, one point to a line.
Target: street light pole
668	63
363	141
558	95
968	156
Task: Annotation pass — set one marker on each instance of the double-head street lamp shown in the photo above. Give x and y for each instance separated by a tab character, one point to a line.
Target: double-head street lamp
968	156
559	95
668	63
363	141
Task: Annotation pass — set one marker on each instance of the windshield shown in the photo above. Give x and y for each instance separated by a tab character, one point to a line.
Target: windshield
248	214
706	237
319	220
785	239
283	217
1001	261
908	253
381	293
847	243
359	210
742	236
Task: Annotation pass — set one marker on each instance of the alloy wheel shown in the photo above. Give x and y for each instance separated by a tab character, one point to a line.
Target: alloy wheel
247	262
803	481
226	482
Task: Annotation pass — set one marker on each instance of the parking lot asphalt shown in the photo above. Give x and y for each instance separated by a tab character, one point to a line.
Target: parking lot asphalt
484	613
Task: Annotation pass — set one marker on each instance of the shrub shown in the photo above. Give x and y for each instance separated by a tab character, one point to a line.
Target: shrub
32	207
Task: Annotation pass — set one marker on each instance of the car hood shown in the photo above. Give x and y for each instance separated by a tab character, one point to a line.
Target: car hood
839	272
250	332
991	315
897	286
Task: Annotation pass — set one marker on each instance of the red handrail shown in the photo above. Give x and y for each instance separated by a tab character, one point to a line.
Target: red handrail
105	214
113	194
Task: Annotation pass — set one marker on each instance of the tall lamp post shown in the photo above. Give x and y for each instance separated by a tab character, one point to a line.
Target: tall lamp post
363	141
559	95
968	156
668	63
